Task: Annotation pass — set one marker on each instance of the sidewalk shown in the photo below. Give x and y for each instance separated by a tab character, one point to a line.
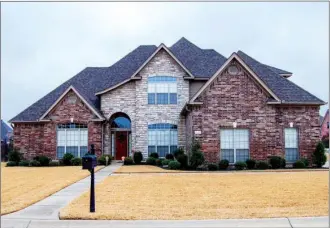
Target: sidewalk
267	223
48	208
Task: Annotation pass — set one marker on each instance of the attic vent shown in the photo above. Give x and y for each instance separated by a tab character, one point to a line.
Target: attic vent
233	70
72	99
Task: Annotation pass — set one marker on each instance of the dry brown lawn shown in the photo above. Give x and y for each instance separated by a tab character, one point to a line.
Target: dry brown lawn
143	169
205	196
23	186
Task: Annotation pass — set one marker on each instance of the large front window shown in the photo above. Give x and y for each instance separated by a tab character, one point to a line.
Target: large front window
162	138
291	144
162	90
72	138
234	144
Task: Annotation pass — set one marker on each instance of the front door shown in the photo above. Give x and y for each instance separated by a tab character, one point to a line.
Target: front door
121	144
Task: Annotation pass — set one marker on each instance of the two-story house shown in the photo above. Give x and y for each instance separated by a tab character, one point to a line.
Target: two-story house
156	99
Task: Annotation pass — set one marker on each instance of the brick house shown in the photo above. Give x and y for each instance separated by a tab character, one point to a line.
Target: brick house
156	99
325	124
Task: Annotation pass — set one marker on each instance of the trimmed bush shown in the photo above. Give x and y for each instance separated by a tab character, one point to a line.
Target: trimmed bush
154	155
223	164
11	163
298	164
319	157
76	161
262	165
202	167
138	157
183	159
15	156
44	160
174	165
102	160
178	152
283	163
151	161
24	163
240	165
166	161
35	163
305	161
67	159
159	161
275	162
251	164
128	161
169	156
54	163
212	167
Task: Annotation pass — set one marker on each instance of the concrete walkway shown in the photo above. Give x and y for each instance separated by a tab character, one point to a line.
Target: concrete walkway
267	223
48	208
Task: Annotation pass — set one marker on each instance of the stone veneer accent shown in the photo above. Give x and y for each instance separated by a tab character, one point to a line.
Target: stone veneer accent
132	99
239	98
40	138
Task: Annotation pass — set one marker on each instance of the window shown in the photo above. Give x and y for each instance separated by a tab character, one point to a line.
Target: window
234	144
162	138
72	138
121	122
291	144
162	90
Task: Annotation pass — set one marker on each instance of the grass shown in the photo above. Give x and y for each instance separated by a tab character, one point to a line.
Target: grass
23	186
205	196
142	169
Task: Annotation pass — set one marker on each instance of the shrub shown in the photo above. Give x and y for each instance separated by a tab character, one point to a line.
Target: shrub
183	159
34	163
275	162
67	159
15	156
305	161
154	155
251	164
169	157
223	164
159	161
283	163
174	165
319	157
138	157
178	152
197	156
11	163
24	163
151	161
102	160
44	160
76	161
262	165
240	165
202	167
166	161
298	164
54	163
212	167
128	161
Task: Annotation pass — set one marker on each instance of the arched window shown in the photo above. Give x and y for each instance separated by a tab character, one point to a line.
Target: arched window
121	122
72	138
162	90
162	138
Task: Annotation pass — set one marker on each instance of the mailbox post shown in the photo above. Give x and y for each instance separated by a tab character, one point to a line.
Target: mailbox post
89	162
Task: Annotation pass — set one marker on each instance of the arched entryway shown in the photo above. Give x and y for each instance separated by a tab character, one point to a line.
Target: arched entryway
120	128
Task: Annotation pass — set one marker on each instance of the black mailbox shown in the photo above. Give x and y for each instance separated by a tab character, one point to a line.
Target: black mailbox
89	161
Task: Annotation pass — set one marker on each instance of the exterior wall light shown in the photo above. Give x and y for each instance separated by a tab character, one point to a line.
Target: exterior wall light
291	124
234	124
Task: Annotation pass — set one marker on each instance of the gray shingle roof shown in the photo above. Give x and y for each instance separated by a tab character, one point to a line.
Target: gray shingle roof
202	63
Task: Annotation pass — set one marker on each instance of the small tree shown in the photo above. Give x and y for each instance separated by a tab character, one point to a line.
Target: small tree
319	157
197	156
15	156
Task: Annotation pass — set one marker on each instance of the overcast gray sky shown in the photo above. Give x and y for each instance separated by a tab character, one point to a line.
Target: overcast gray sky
44	44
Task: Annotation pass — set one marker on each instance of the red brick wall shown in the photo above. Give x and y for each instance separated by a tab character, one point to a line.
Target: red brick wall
40	138
240	99
324	127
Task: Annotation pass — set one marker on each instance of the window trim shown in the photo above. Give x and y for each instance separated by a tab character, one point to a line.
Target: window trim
172	81
234	145
66	138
